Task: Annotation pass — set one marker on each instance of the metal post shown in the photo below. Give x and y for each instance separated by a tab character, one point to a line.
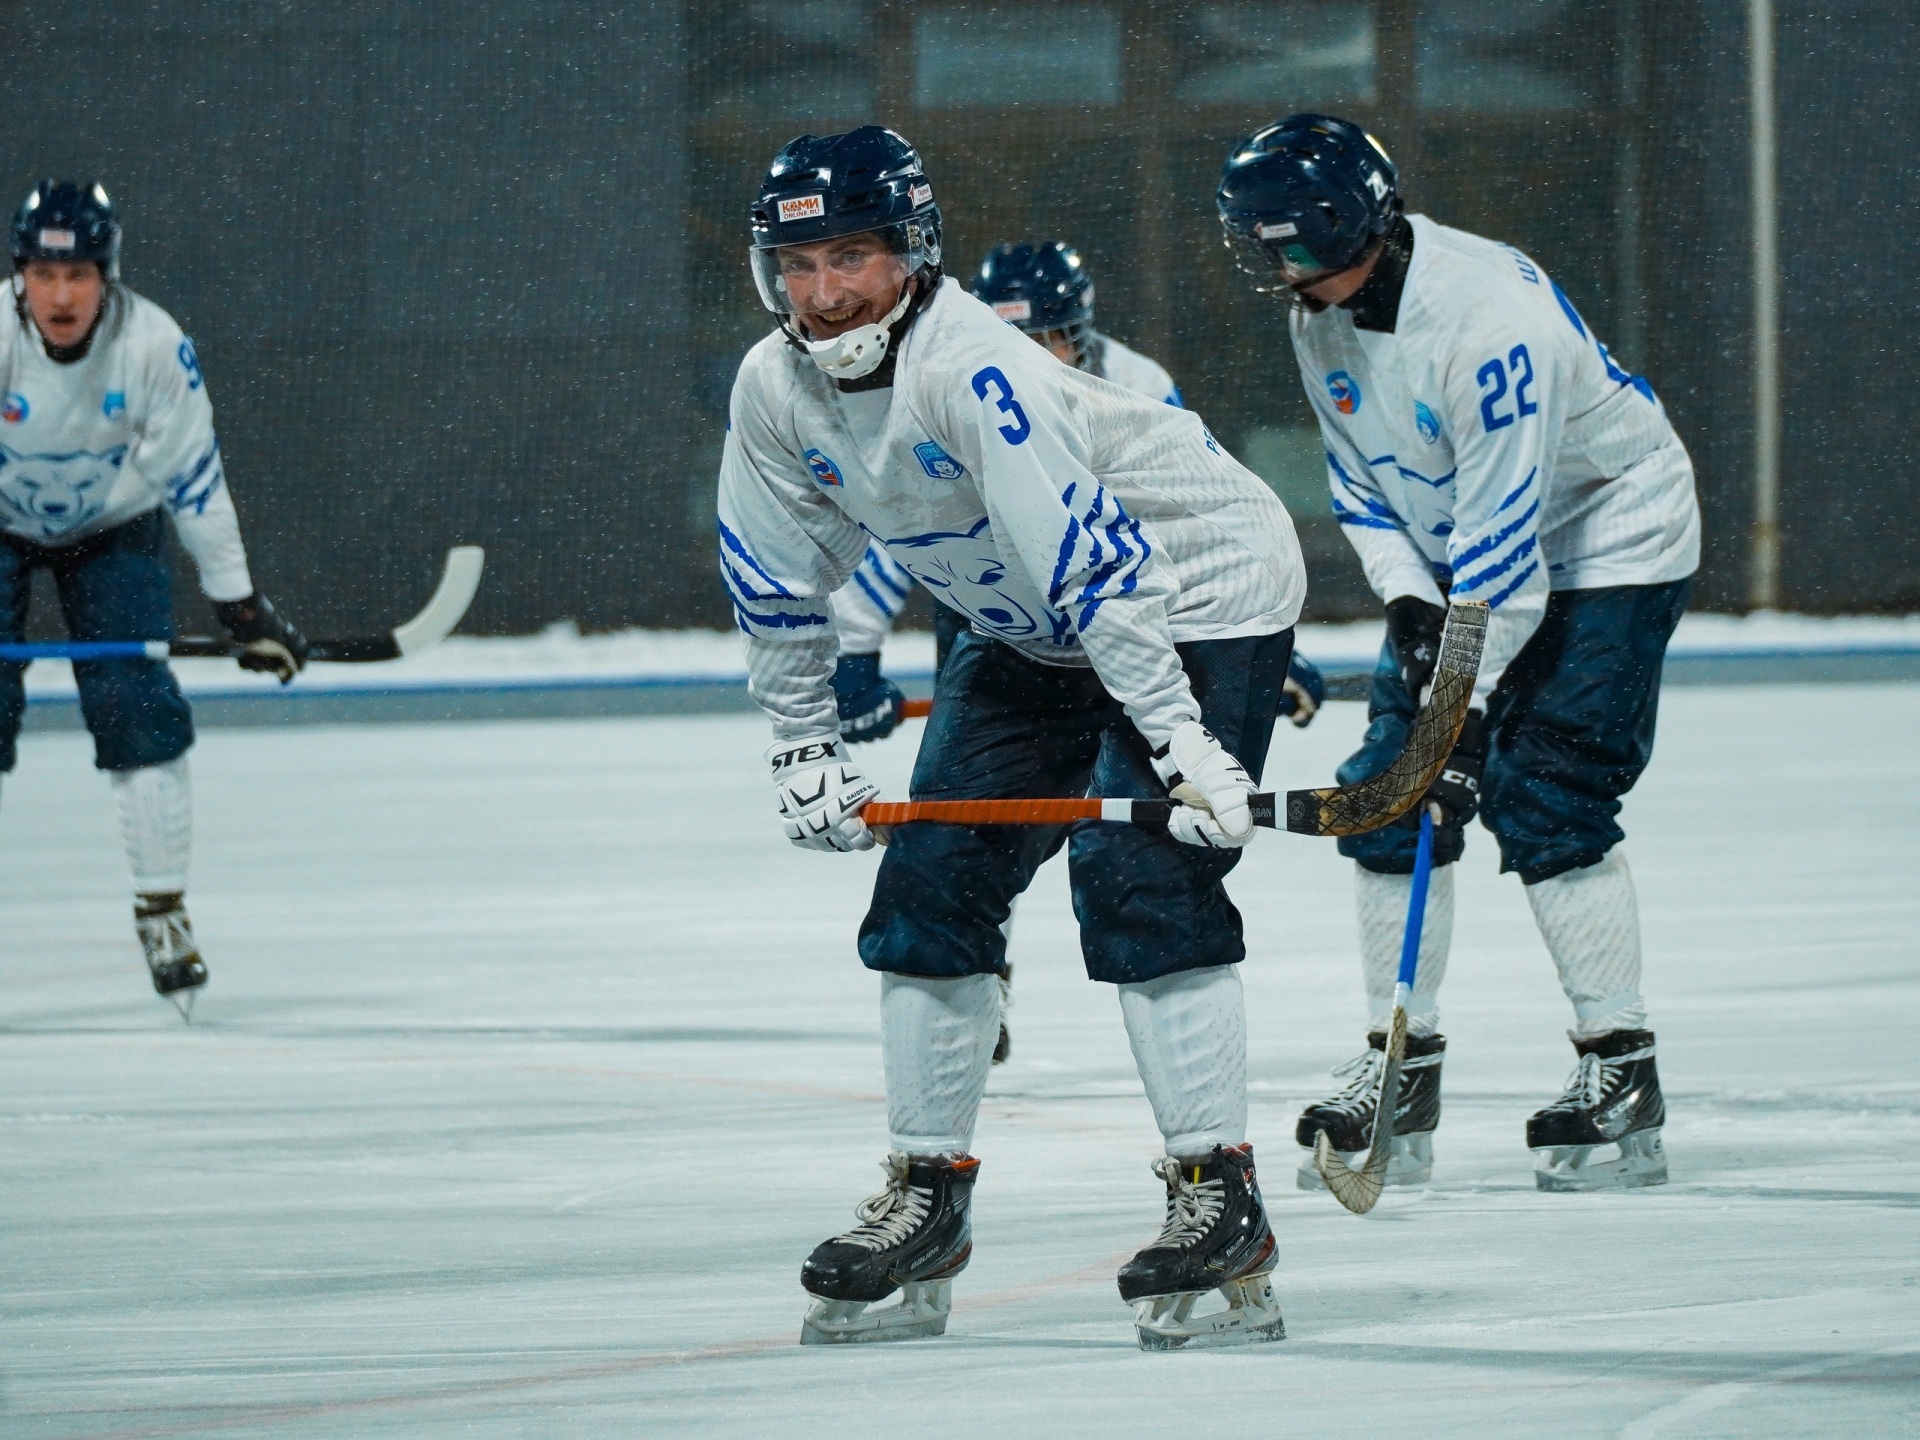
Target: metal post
1763	586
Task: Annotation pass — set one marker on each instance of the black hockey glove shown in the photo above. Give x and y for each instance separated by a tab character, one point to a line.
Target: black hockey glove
273	646
870	705
1457	791
1304	692
1413	629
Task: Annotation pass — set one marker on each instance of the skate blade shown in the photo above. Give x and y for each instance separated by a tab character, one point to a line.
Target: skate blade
1409	1162
920	1312
1252	1317
182	1000
1641	1161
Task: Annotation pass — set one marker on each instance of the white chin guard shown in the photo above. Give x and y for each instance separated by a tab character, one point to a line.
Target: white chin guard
858	353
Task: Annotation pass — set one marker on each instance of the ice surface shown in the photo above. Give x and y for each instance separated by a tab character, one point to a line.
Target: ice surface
535	1061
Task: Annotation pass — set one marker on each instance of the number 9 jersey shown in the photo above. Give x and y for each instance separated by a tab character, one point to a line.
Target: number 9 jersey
1488	443
1063	515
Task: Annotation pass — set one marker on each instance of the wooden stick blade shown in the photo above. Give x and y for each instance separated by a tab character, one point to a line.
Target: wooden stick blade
1370	804
1359	1190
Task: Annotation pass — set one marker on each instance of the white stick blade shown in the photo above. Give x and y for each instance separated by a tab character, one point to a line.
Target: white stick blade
458	584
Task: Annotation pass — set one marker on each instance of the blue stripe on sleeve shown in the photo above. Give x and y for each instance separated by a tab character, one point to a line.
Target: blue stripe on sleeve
1498	568
1494	601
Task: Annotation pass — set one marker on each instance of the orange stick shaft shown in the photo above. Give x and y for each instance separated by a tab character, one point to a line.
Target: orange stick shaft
981	812
916	710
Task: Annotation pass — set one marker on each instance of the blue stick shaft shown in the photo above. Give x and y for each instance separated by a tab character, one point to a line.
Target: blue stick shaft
86	650
1417	902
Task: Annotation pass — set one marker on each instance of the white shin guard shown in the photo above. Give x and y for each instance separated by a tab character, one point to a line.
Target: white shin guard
1189	1037
156	821
1380	902
1591	923
937	1039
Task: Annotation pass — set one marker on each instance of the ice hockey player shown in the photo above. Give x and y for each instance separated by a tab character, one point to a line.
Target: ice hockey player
1131	591
1481	443
106	425
1043	289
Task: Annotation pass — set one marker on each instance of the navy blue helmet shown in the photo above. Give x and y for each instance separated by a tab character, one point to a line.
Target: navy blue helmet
68	220
1303	199
1042	287
819	188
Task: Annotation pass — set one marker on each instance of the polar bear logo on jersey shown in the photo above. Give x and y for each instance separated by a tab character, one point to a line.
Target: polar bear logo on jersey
964	571
53	495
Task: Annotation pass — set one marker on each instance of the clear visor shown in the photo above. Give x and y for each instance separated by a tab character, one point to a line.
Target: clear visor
1273	269
825	277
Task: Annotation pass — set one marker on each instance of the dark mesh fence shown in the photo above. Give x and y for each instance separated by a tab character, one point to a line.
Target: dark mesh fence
475	272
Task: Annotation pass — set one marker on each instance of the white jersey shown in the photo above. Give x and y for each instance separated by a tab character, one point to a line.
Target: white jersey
128	427
1059	513
865	608
1490	443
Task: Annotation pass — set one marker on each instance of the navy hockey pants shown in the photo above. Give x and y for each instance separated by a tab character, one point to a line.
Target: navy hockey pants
1004	726
1570	729
113	586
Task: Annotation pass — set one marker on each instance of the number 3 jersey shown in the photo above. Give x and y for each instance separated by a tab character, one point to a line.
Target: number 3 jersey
90	445
1489	443
1063	515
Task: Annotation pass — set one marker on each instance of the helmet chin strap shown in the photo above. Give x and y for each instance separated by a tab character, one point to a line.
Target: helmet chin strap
858	353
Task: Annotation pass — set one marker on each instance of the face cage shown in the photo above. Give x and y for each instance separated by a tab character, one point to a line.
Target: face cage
1271	274
913	243
1079	337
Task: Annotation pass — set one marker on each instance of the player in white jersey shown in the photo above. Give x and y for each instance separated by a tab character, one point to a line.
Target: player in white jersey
1041	288
1126	580
106	426
1481	443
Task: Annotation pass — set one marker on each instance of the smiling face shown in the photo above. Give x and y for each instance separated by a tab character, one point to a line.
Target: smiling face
64	298
836	285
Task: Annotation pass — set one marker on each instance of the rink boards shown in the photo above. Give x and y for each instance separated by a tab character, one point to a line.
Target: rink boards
363	697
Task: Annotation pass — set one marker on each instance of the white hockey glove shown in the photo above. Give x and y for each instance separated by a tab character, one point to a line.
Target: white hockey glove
1211	786
820	793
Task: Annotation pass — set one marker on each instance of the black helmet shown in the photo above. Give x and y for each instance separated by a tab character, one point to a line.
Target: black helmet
68	220
1303	199
1040	287
817	188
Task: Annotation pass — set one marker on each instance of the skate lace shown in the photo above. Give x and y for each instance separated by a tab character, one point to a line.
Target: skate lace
890	1216
1192	1206
1586	1085
165	937
1362	1090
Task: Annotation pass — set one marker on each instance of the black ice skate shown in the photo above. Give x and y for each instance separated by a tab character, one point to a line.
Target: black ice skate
914	1237
1613	1103
1348	1116
166	934
1216	1238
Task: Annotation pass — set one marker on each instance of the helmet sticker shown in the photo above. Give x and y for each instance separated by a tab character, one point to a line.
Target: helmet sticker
1013	310
1278	231
921	195
802	207
56	239
1345	391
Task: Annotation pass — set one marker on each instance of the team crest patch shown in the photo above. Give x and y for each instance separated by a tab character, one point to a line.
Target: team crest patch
1345	391
1427	421
114	404
802	207
15	408
937	462
824	470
